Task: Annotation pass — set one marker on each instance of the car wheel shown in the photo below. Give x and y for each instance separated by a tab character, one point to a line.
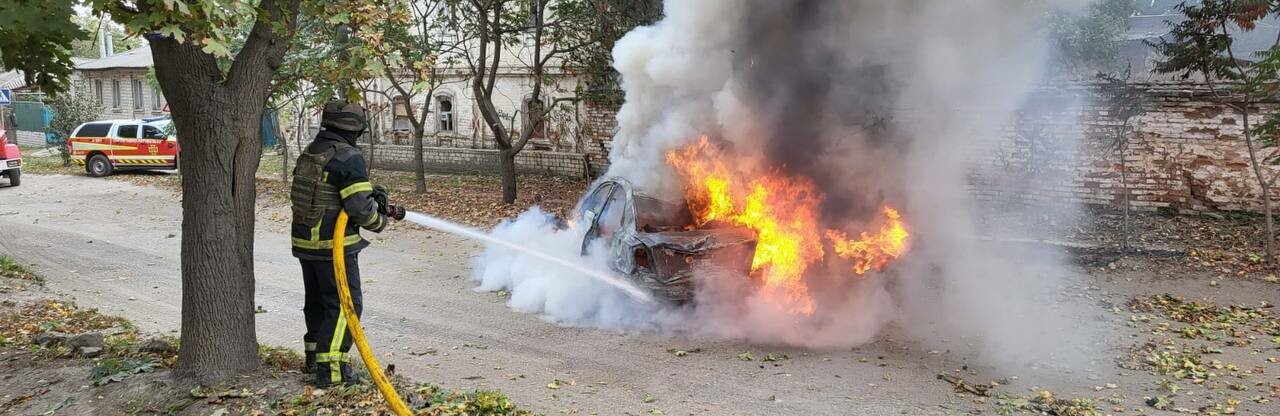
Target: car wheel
98	166
15	177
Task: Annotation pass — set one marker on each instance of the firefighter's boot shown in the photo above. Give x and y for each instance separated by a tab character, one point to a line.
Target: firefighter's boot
350	377
309	363
344	376
309	358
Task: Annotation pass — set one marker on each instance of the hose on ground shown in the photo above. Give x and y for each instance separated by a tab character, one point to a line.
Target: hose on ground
353	322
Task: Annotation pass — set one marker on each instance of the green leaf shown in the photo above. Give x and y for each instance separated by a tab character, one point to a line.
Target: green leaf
421	86
216	48
173	31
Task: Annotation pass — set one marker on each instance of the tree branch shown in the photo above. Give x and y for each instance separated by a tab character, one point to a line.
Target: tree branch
264	45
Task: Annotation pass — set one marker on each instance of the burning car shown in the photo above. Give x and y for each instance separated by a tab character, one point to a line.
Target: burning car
653	242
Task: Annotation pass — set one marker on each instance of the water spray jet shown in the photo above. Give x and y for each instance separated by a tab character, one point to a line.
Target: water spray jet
472	233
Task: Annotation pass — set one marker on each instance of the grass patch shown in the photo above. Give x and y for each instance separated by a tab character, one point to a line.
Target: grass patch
13	270
280	358
424	399
55	316
1045	403
46	165
111	370
275	388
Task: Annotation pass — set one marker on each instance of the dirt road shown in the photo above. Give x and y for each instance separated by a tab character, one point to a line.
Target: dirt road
115	246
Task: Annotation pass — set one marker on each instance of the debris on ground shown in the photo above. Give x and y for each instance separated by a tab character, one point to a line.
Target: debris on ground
47	340
1229	243
771	357
681	352
1047	404
962	386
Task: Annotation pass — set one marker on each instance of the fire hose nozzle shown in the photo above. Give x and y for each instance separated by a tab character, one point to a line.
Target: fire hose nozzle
396	212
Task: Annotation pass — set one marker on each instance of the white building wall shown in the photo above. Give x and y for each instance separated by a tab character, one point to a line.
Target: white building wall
151	104
511	89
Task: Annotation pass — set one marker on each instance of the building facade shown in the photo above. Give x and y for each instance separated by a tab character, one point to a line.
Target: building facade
120	84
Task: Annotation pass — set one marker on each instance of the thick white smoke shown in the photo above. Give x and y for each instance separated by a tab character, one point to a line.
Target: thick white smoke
876	101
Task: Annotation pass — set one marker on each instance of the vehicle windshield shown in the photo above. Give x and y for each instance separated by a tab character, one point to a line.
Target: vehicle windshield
165	126
653	214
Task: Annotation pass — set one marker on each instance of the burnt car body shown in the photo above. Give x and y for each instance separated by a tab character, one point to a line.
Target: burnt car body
651	241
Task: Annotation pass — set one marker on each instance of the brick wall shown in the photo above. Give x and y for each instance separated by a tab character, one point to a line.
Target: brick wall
599	124
1187	153
456	160
29	138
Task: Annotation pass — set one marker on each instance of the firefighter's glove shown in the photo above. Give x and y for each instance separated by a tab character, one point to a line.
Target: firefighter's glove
394	211
380	196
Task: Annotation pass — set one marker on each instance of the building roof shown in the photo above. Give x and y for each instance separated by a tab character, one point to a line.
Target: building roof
12	80
137	58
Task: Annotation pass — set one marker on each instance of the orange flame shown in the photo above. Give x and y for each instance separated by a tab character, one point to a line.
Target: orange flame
783	212
873	251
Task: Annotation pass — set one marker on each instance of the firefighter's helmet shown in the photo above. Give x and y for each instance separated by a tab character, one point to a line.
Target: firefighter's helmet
343	115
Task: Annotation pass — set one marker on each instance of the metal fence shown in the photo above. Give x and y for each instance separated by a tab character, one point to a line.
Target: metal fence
31	116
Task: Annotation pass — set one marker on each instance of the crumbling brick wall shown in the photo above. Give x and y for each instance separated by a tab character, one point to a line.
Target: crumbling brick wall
599	124
1187	153
459	160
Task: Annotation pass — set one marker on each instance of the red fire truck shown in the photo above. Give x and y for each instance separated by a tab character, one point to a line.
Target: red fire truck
103	147
10	160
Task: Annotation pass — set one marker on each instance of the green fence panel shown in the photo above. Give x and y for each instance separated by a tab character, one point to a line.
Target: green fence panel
30	116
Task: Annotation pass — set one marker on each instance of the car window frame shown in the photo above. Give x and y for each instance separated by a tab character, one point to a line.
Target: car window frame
142	133
586	203
592	233
80	130
137	132
613	198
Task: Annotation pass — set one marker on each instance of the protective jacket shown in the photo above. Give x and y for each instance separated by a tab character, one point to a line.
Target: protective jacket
330	176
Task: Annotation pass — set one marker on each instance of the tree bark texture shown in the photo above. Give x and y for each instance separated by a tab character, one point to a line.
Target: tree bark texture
419	165
1264	185
218	120
507	169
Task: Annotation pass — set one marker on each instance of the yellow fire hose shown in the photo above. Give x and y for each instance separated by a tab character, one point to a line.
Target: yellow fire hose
353	322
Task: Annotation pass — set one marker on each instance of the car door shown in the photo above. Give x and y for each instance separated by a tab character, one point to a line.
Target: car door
90	138
589	212
128	148
159	146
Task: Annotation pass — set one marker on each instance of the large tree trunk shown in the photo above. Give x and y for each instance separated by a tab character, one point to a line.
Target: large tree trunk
220	151
507	169
218	120
419	168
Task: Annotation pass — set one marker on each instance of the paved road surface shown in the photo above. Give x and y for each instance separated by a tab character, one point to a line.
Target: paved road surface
115	246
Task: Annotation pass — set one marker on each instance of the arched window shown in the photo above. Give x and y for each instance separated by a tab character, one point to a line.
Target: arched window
529	109
445	105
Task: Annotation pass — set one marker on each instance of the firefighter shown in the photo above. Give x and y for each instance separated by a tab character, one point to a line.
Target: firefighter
330	176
